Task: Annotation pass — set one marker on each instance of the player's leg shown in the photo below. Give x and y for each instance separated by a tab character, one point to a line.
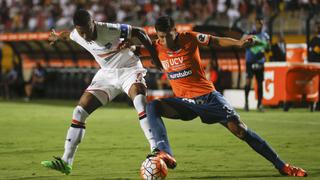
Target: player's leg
173	108
217	108
155	110
239	129
259	74
87	104
134	85
137	93
247	87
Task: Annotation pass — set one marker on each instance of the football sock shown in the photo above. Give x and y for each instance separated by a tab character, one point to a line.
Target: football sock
73	138
160	132
139	103
262	147
75	134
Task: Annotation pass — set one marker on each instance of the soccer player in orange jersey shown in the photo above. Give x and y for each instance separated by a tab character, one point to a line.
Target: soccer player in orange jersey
196	96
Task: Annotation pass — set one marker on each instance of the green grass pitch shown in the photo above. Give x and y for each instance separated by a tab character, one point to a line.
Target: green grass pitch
114	146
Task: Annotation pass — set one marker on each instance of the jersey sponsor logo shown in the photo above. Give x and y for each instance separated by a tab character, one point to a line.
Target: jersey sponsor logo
171	62
180	74
202	38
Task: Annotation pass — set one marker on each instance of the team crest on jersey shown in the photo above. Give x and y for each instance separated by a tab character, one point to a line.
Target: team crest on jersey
202	38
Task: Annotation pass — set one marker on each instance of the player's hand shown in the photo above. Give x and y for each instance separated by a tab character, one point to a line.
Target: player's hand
53	37
247	41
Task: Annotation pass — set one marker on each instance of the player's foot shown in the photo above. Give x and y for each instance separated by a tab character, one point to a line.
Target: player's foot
167	158
58	164
289	170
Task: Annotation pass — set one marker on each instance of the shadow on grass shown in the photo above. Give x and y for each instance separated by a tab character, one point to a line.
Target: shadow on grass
252	174
59	177
36	177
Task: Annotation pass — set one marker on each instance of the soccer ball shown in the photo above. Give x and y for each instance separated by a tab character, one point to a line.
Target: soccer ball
153	168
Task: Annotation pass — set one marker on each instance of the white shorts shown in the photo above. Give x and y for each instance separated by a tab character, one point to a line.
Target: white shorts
108	83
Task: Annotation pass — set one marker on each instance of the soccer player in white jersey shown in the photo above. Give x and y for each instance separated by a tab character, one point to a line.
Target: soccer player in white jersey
121	71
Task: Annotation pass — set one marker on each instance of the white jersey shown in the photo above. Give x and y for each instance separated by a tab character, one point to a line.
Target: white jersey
104	48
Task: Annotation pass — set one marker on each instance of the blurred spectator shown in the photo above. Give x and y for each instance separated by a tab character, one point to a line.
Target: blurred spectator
233	12
10	83
68	9
40	15
36	84
4	15
314	46
279	49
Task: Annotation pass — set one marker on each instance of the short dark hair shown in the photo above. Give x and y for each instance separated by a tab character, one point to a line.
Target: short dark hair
164	24
81	17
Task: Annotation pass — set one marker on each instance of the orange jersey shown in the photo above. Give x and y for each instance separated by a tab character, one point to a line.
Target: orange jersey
183	67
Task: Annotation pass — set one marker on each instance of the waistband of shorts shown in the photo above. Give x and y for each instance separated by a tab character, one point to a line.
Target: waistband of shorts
202	96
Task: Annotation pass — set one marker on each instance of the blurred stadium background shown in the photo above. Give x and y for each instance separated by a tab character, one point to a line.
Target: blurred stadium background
25	26
24	29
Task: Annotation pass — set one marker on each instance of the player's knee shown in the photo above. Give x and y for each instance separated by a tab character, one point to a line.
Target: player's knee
237	128
241	134
79	116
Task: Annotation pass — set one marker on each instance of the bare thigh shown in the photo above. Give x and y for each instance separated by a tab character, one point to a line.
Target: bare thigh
89	102
135	89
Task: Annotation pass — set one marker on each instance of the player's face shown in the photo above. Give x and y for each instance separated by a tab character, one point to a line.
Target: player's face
87	31
167	38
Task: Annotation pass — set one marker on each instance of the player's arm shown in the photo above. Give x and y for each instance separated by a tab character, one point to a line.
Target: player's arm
53	37
212	41
229	42
146	42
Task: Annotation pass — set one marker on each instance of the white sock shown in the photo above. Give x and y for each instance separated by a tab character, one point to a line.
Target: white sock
74	137
139	103
75	134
